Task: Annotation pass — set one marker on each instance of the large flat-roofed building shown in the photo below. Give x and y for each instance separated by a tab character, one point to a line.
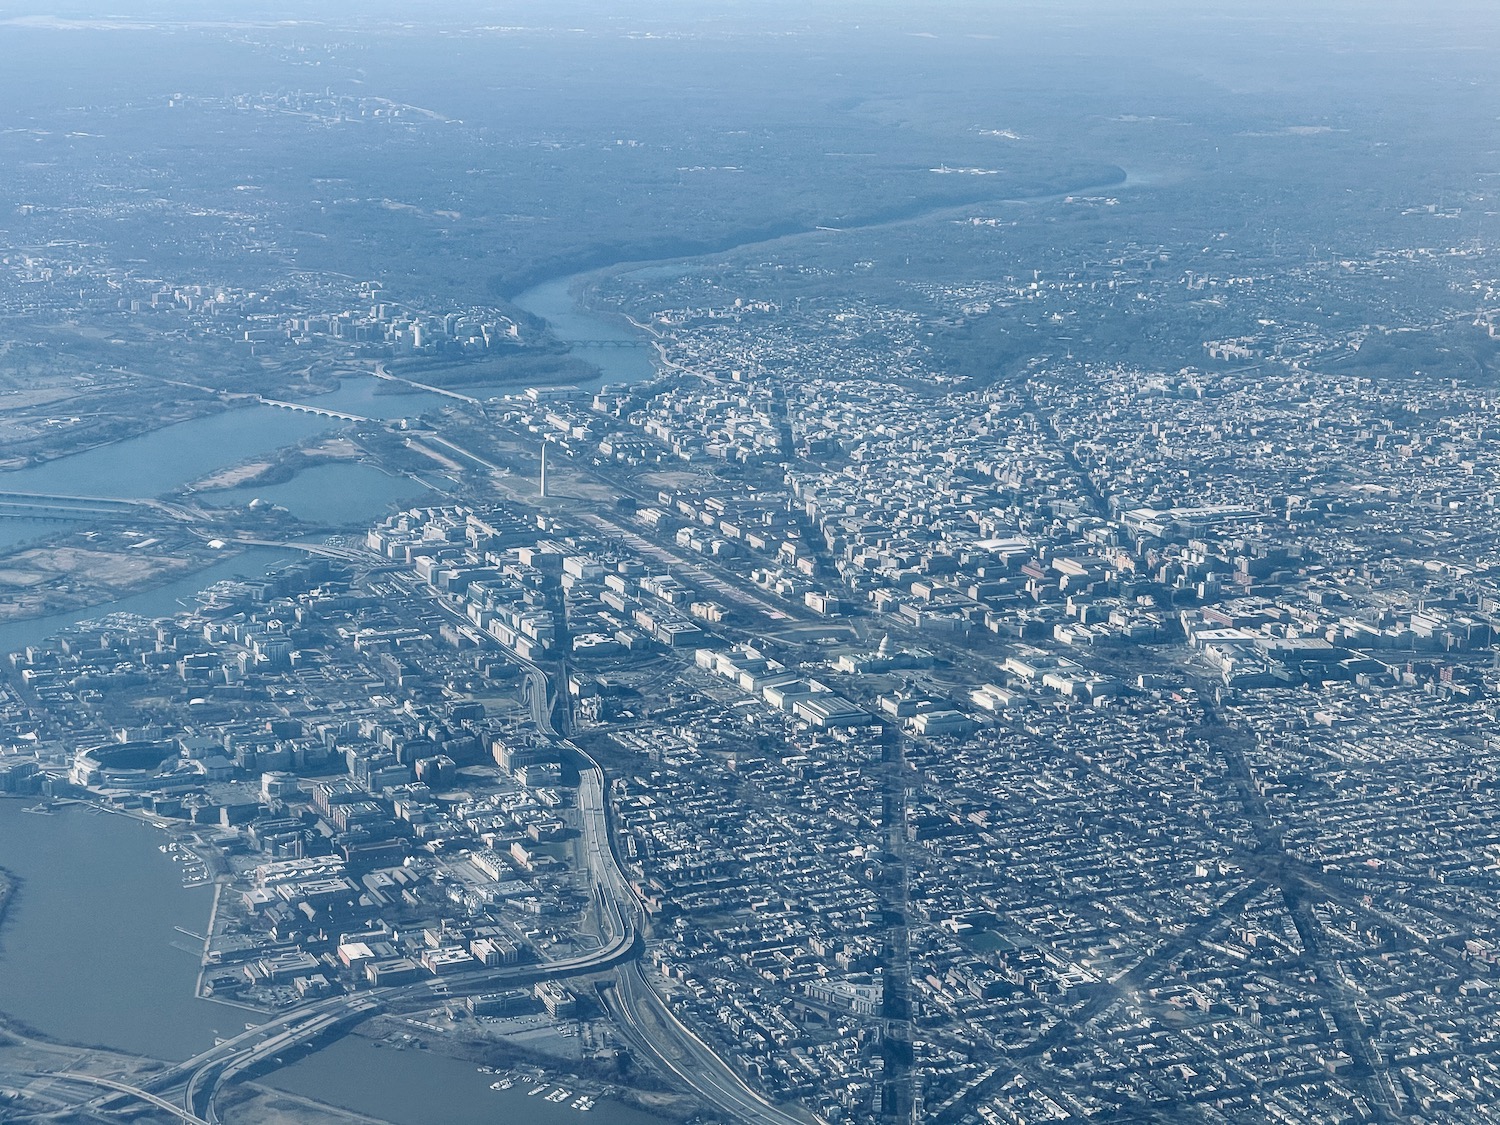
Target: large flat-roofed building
447	959
560	1002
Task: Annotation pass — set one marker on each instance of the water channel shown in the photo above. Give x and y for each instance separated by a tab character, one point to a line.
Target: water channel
19	532
159	601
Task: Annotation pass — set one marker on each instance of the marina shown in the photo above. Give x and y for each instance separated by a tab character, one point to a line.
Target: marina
544	1087
399	1086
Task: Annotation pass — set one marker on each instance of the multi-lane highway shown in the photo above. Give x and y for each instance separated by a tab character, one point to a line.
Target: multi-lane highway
123	1088
256	1047
651	1027
638	1010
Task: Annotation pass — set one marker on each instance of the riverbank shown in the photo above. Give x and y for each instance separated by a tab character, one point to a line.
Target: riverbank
265	471
122	427
54	578
161	599
1094	176
615	1079
594	265
542	367
8	886
24	1048
77	869
625	350
394	1077
255	1103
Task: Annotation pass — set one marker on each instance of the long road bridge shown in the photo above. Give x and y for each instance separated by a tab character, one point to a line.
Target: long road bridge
381	373
204	1083
320	411
59	512
61	505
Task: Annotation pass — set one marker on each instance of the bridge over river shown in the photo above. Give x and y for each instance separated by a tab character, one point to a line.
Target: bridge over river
320	411
54	505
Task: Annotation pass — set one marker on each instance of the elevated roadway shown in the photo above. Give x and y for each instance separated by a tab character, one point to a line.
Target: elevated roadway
205	1082
124	1088
348	554
636	1006
638	1009
291	1028
381	373
203	1075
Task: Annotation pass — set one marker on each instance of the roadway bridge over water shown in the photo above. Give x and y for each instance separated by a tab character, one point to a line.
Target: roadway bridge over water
62	506
59	513
200	1078
320	411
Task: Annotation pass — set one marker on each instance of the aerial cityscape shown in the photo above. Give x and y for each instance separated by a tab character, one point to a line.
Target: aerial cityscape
766	563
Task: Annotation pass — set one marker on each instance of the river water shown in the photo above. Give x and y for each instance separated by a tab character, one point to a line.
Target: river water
23	531
339	494
406	1086
86	951
591	337
167	459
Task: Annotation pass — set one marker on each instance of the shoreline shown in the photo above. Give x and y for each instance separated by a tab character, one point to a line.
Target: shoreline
13	1027
588	261
10	883
46	457
598	270
162	576
500	1059
212	559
